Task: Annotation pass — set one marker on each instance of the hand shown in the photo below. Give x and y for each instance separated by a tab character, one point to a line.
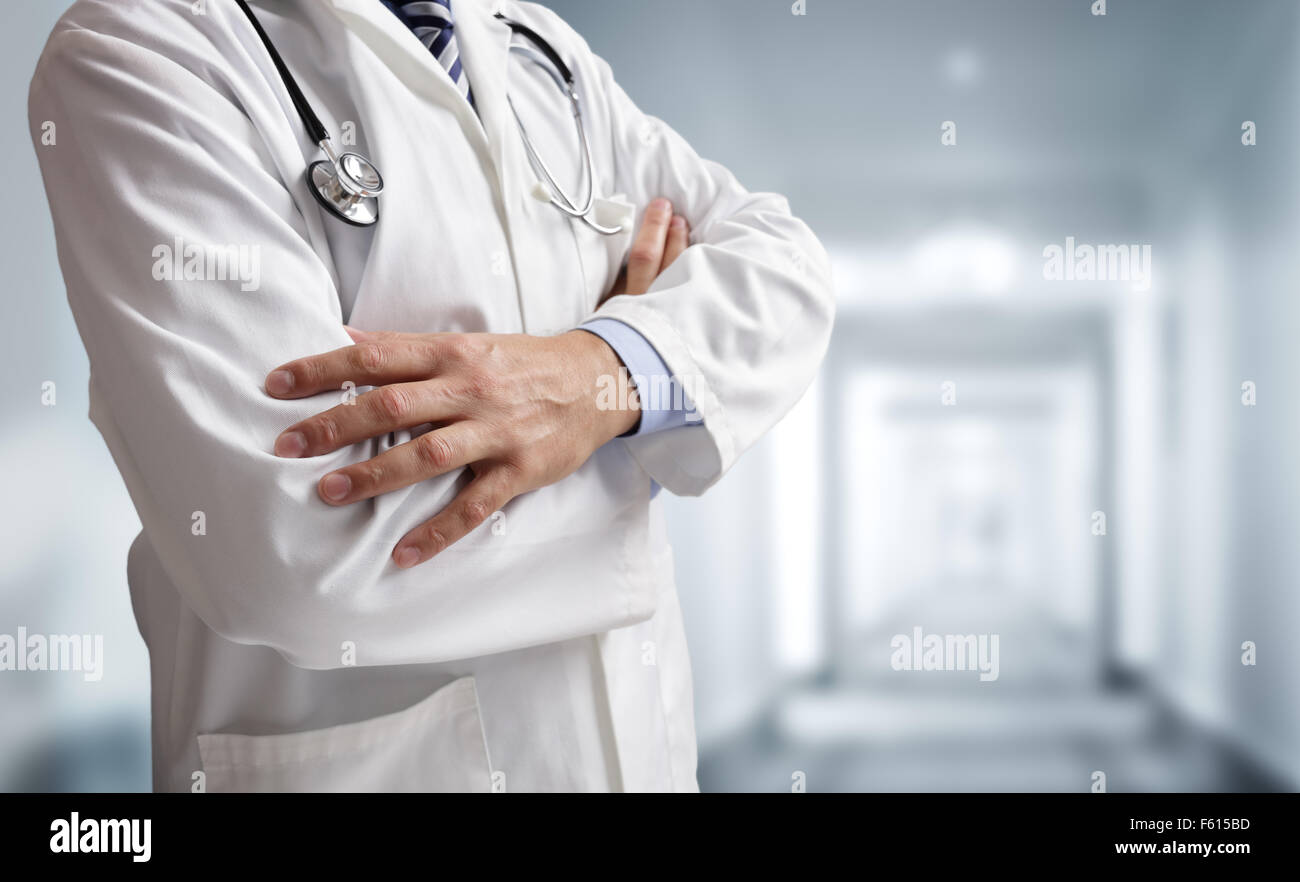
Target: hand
663	237
518	411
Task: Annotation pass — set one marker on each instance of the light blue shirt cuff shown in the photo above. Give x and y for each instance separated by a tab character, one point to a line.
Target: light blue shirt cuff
657	391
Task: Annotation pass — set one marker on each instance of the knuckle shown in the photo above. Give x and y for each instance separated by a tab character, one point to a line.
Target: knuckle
516	442
475	512
426	355
434	451
368	357
392	403
307	374
456	348
483	385
325	429
517	472
432	539
642	253
368	476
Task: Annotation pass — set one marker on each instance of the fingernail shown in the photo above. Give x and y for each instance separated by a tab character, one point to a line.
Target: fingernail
661	206
291	445
678	222
336	486
406	557
279	383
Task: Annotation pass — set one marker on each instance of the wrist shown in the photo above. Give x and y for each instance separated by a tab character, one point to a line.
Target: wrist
601	370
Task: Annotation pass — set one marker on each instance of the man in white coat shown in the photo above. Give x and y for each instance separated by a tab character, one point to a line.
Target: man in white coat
395	536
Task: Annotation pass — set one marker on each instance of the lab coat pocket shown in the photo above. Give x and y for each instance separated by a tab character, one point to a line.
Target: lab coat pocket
435	746
602	256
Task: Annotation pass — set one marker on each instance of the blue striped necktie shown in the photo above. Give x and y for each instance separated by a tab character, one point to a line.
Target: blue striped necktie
432	23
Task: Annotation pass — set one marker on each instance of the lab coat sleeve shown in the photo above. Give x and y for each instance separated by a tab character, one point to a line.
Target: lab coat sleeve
149	157
742	318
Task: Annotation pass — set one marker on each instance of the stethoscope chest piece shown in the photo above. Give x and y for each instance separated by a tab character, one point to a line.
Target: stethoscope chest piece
348	186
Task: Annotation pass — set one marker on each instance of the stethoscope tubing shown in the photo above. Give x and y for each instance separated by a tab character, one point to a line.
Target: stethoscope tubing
558	195
310	120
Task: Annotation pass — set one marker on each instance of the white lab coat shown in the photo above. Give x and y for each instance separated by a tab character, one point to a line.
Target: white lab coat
546	650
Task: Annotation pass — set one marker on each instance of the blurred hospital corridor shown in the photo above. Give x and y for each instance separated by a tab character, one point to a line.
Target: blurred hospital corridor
1100	474
966	507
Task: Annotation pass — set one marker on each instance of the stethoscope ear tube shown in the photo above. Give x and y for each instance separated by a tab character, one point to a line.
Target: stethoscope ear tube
309	119
548	185
536	39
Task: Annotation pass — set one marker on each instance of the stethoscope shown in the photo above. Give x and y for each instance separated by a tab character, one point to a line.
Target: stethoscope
348	184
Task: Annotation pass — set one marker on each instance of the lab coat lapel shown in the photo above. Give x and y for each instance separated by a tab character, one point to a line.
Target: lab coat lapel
484	43
484	46
407	57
